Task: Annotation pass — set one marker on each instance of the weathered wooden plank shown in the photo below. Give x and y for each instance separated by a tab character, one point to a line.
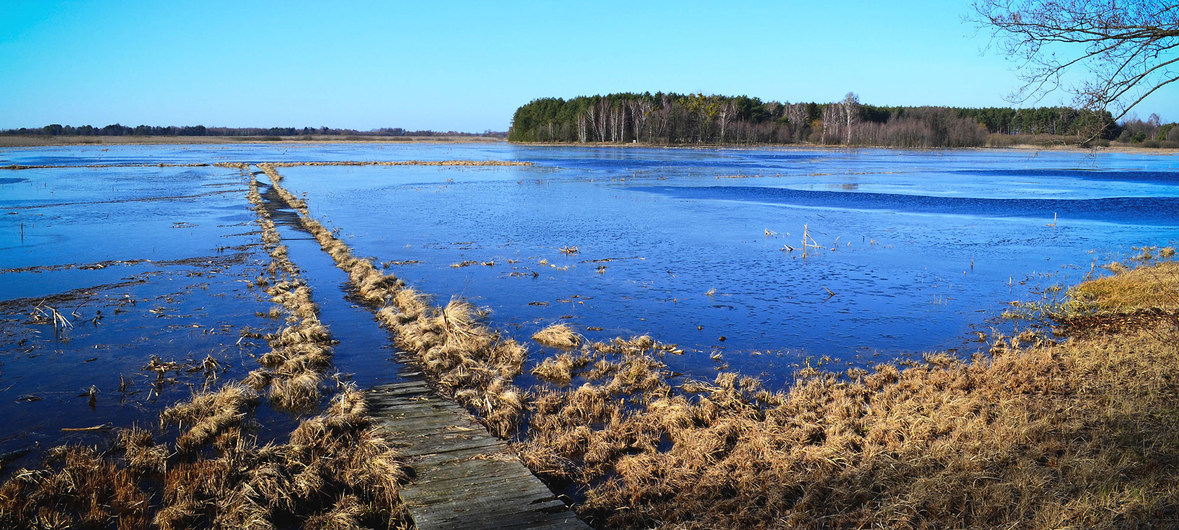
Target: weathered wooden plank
433	459
483	509
519	486
478	445
465	478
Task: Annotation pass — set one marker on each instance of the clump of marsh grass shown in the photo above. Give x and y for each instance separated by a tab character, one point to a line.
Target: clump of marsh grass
1140	288
209	414
560	369
76	488
557	336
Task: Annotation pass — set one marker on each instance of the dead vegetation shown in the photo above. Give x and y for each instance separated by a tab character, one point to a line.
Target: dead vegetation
301	350
557	336
335	467
1077	433
1038	433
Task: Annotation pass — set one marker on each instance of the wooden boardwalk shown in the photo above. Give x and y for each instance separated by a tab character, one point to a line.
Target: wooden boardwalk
463	476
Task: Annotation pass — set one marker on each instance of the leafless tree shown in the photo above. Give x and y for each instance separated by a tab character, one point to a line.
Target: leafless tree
640	109
1127	48
851	111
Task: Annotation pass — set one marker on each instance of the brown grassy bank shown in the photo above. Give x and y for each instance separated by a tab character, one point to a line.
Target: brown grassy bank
204	468
1043	434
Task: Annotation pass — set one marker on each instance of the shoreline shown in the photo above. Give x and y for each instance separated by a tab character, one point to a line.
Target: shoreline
1015	147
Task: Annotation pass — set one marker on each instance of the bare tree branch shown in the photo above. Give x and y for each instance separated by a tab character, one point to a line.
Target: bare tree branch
1126	48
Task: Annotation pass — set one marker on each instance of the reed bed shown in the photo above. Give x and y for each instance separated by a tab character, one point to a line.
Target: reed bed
335	471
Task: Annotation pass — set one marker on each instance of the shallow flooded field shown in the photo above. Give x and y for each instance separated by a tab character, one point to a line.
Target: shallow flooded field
125	284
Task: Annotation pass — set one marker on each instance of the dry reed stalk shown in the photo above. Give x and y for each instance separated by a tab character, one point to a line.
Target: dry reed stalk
208	414
559	370
77	488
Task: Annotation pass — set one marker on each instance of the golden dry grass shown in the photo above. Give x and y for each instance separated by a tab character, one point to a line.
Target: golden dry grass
557	336
1143	287
77	488
1042	434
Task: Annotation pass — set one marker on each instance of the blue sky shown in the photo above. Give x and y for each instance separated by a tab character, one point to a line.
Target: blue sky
467	65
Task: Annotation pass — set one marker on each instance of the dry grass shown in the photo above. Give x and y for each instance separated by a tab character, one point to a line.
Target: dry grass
557	336
1143	287
560	370
76	489
209	414
1081	433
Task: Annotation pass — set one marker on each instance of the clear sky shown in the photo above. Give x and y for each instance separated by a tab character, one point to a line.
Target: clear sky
466	66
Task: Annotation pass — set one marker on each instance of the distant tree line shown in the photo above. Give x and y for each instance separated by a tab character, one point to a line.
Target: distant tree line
669	118
200	130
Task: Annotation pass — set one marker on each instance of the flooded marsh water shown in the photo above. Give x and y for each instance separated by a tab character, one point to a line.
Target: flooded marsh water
904	252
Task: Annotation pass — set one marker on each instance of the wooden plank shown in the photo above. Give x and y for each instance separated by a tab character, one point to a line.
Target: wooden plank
476	511
484	508
465	478
519	485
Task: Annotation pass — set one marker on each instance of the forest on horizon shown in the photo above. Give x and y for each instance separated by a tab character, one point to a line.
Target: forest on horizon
680	119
